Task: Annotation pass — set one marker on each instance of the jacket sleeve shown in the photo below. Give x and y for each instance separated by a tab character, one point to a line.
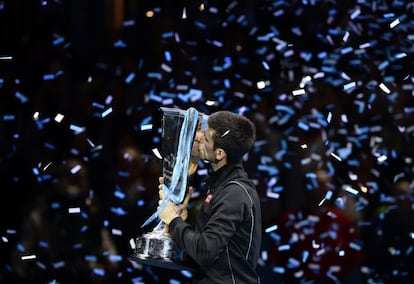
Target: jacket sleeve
204	247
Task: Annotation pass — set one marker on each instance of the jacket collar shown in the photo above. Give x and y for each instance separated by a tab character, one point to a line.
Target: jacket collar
222	175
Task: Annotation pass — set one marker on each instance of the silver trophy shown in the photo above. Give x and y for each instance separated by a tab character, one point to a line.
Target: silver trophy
178	130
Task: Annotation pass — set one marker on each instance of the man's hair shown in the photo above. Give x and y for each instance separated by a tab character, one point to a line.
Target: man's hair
234	133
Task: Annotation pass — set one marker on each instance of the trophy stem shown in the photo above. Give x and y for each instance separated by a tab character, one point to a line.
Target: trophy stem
160	228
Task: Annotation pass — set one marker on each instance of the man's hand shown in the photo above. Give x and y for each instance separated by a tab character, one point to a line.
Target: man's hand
182	208
169	212
173	210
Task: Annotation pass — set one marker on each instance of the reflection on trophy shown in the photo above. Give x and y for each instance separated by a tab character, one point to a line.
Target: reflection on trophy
178	131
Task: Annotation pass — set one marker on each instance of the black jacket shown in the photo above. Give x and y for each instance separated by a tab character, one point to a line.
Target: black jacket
225	242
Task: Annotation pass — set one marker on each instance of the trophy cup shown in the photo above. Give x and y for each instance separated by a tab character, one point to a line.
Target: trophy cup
157	248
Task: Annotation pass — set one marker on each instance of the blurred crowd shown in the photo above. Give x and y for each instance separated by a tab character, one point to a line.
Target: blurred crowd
81	85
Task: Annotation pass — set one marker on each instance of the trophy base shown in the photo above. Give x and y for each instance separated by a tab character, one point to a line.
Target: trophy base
160	263
159	250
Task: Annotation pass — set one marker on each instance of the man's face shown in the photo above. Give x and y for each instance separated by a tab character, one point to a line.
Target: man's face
198	139
207	152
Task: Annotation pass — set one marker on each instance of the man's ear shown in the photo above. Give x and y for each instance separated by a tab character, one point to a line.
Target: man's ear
220	154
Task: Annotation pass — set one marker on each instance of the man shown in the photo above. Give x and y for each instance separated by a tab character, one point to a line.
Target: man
225	241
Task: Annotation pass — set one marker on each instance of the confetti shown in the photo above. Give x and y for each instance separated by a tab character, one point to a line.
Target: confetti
330	87
28	257
74	210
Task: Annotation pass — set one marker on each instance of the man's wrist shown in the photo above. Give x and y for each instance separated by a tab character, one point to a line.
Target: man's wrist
174	219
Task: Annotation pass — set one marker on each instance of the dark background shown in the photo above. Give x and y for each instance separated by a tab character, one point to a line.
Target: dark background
81	80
